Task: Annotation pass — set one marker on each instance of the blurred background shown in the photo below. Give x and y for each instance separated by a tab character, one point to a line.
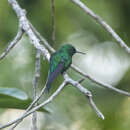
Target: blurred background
105	60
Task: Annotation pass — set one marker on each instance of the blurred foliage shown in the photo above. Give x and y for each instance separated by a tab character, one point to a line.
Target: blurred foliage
16	99
105	60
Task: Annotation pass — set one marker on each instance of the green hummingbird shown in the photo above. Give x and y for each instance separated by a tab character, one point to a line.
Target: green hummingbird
60	61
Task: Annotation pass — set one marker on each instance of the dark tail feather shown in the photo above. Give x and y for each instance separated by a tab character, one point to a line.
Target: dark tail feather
52	76
48	86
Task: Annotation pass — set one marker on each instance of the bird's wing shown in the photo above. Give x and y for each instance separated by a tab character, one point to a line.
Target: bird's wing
52	75
54	61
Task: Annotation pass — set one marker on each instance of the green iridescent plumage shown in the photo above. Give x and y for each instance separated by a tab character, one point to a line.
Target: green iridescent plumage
60	61
64	54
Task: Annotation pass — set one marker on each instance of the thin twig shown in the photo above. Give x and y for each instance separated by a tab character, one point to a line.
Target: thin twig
42	39
27	110
37	107
53	19
13	43
35	85
100	82
102	22
93	105
86	93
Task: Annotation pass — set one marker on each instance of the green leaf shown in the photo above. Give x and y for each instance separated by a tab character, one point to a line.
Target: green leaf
15	98
14	92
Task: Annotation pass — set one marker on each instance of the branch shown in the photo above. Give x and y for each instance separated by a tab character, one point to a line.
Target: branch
101	22
17	121
27	27
24	23
37	107
42	39
105	85
86	93
13	43
67	80
35	85
53	19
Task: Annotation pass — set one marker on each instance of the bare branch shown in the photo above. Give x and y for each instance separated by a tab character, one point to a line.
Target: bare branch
35	85
21	14
42	39
103	23
27	110
53	19
28	28
37	107
13	43
66	81
87	94
100	82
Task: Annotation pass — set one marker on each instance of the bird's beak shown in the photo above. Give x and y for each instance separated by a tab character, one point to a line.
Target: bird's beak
81	52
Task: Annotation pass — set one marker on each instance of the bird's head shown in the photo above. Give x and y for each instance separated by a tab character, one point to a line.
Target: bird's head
68	48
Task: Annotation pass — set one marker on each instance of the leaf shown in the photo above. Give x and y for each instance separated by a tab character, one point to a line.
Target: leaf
15	98
13	92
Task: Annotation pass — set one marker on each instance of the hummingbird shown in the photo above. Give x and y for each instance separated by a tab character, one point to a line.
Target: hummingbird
60	61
